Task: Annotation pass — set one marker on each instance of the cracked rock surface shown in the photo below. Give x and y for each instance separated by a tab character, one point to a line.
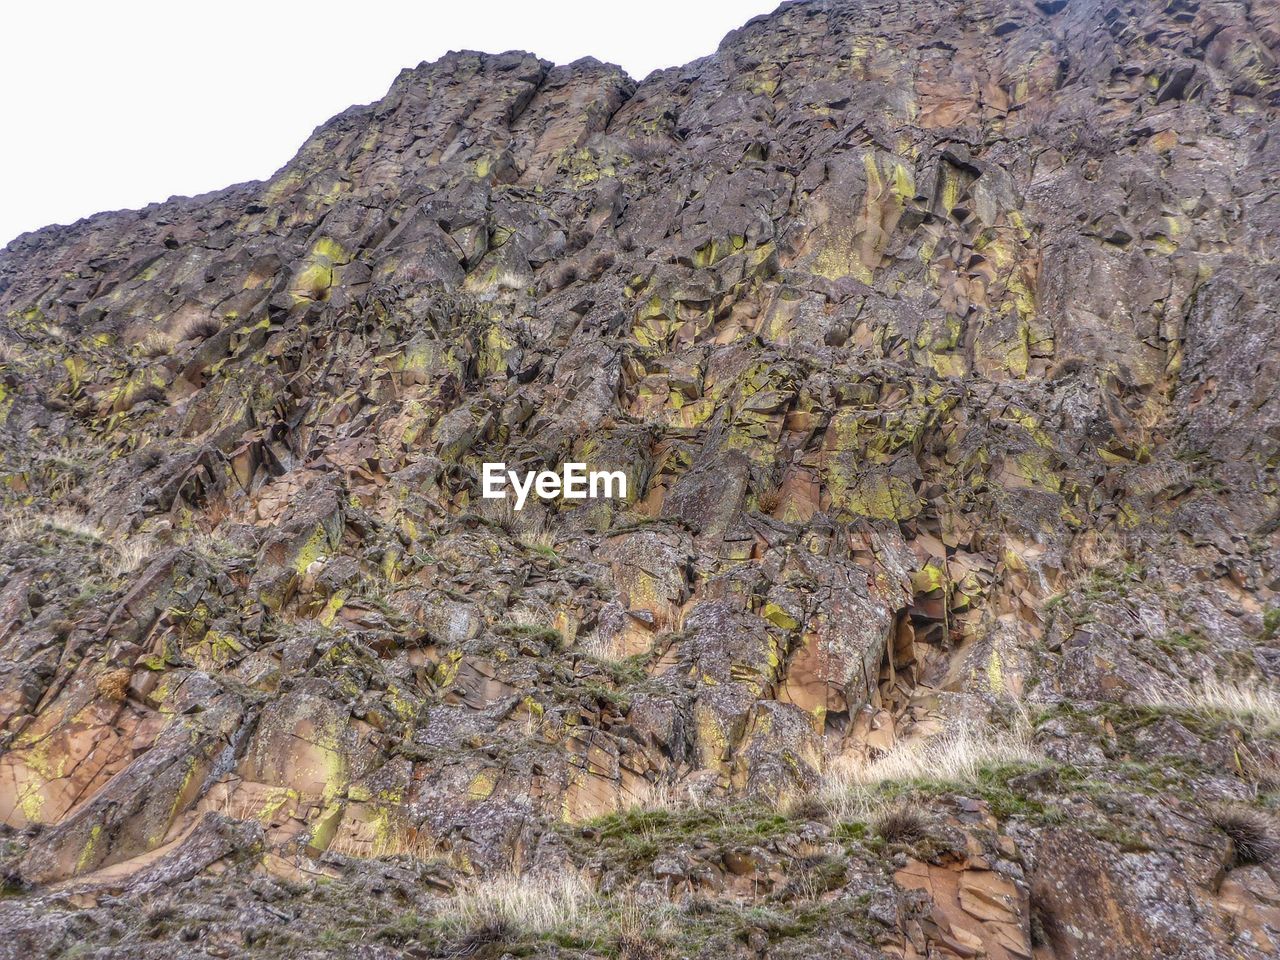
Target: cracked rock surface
938	343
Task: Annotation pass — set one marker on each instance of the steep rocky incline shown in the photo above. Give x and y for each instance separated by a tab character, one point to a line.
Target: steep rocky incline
938	342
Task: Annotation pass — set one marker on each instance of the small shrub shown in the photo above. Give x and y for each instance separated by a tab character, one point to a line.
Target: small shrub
902	824
561	276
1251	832
599	264
770	500
114	684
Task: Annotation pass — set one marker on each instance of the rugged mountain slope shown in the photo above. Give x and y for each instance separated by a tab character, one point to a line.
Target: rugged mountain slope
938	341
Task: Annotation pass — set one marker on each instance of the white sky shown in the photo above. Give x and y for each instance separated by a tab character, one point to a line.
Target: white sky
115	105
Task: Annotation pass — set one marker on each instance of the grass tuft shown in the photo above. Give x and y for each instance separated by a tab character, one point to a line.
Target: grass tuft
902	824
536	905
956	755
1252	834
128	557
1253	704
959	756
770	500
155	344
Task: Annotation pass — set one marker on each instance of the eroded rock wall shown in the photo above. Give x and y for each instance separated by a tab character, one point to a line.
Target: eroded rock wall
937	343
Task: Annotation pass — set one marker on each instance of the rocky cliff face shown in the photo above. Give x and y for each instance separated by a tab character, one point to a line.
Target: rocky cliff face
938	342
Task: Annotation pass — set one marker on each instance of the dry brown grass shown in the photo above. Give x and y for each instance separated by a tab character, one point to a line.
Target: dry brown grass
530	615
157	343
537	536
535	616
665	795
123	556
407	842
561	903
956	755
22	524
643	926
610	649
128	556
114	684
1095	551
500	513
770	500
72	524
1252	703
541	904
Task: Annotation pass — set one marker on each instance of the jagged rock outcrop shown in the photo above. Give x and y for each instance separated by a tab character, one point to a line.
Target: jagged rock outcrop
937	343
